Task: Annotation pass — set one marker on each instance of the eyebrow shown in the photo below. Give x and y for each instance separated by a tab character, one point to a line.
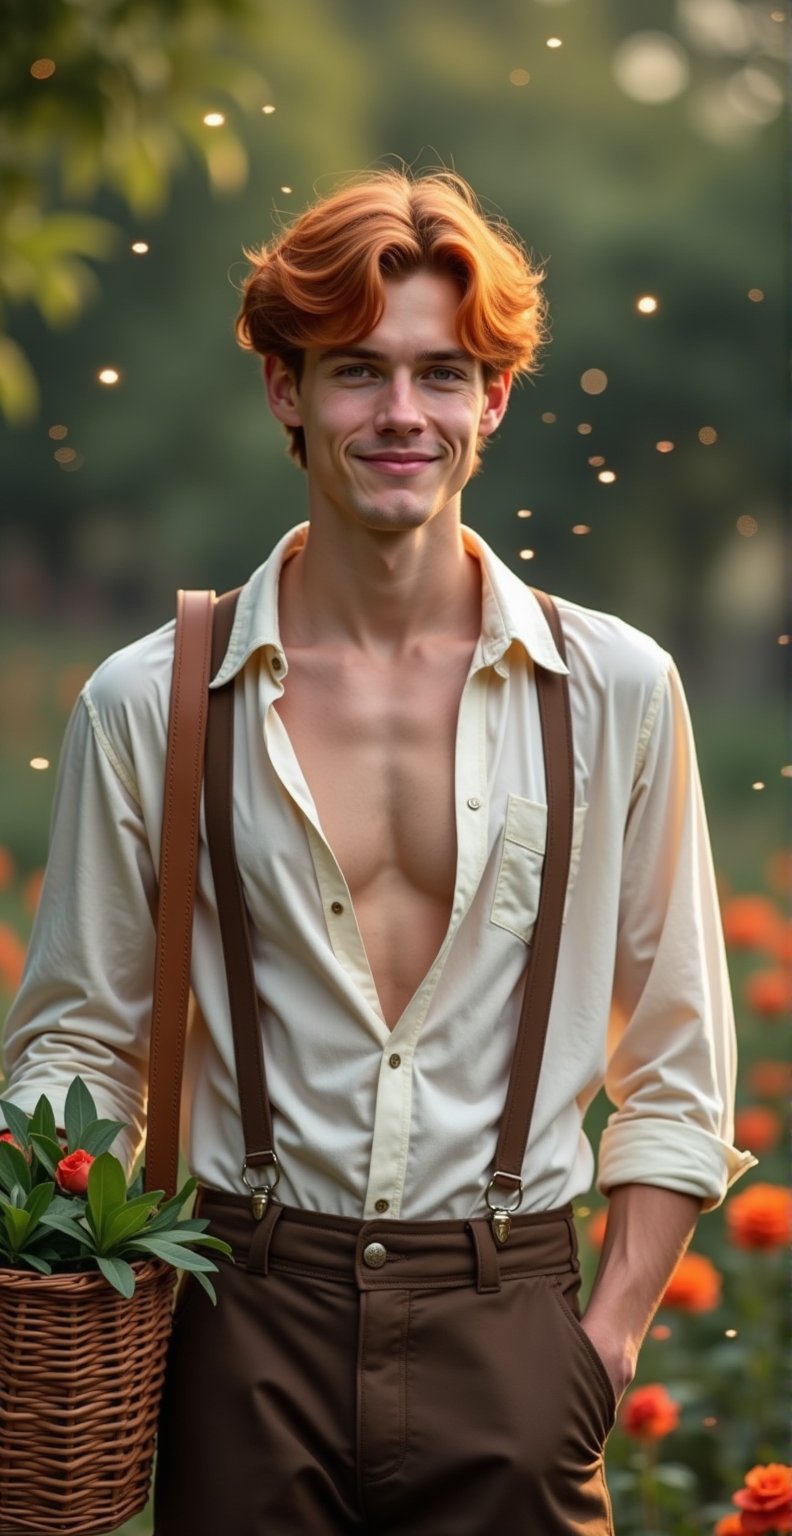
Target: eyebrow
370	354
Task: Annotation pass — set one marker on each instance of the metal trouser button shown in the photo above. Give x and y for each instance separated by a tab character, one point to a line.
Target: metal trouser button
374	1254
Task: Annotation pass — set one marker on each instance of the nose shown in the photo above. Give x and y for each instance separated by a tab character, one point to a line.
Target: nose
399	407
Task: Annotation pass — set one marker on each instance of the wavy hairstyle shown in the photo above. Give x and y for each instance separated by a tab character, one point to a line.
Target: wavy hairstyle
320	282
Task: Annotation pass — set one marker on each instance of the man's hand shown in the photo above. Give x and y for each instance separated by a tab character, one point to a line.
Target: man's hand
647	1232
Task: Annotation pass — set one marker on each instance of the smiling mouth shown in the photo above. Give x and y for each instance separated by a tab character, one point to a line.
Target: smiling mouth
398	464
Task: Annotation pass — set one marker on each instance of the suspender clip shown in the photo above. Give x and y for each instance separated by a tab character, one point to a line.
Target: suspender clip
260	1194
501	1216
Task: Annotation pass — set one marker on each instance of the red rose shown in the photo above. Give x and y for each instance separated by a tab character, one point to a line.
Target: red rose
648	1413
72	1171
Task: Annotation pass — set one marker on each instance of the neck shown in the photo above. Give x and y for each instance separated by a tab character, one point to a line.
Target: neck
381	592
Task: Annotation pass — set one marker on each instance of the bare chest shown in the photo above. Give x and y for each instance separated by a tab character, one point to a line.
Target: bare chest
376	746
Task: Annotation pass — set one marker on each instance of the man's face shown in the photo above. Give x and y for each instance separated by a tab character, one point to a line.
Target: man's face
392	422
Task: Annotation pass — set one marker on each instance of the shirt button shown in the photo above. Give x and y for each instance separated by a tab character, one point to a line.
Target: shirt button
394	1061
382	1206
374	1255
276	664
474	804
336	906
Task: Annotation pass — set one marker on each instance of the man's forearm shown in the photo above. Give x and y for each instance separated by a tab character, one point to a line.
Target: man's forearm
647	1232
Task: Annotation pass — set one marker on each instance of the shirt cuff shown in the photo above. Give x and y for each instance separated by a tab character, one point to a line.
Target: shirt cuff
671	1155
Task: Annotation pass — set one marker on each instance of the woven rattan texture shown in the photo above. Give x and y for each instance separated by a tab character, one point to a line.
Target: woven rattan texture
81	1373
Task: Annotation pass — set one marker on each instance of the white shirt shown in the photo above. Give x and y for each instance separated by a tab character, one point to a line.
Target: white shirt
410	1116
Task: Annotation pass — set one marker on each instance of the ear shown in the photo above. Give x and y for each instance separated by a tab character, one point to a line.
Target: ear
283	394
496	399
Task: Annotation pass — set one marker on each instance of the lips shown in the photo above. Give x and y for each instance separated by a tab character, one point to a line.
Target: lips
398	463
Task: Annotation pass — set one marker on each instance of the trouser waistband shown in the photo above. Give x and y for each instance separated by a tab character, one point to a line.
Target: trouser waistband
380	1254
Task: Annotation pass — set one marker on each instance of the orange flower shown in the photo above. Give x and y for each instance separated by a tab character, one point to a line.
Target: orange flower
695	1285
750	922
773	1079
12	958
730	1525
595	1228
769	992
648	1413
757	1127
761	1217
765	1503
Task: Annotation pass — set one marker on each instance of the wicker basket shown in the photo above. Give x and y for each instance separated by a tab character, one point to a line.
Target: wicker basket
81	1374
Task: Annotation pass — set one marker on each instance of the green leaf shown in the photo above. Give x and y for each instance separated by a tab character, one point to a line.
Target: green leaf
16	1223
70	1228
171	1207
47	1150
106	1191
19	391
36	1262
126	1222
99	1136
173	1253
120	1274
79	1112
188	1239
208	1287
38	1201
14	1169
43	1119
18	1124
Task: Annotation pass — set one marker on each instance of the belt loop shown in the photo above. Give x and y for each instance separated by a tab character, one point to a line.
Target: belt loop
258	1252
487	1268
573	1242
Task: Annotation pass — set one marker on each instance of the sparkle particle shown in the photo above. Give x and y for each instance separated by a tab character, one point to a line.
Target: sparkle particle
593	381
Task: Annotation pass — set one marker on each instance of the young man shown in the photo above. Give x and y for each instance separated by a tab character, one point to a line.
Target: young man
386	1358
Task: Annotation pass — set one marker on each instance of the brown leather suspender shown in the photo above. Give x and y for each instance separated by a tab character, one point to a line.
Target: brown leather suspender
177	882
553	691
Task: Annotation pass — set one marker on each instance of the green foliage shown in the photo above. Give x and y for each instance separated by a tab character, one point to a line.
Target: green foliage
117	101
51	1231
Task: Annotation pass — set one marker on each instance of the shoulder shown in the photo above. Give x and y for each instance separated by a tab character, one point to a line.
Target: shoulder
612	655
128	697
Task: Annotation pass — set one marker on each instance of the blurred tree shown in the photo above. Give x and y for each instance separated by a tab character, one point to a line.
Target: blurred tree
96	93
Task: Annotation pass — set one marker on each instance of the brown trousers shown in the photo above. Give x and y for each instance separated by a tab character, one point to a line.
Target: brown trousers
388	1378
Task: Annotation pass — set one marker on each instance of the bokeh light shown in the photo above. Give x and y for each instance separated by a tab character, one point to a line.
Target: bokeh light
651	67
593	381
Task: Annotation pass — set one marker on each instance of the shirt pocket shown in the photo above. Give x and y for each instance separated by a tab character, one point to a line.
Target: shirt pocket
516	900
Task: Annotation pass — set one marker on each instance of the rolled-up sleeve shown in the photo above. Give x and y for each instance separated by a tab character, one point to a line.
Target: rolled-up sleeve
84	1006
671	1048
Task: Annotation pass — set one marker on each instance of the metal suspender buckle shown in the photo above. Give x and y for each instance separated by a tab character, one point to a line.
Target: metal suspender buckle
260	1194
501	1215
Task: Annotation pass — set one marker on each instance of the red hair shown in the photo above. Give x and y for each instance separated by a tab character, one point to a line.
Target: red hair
321	281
